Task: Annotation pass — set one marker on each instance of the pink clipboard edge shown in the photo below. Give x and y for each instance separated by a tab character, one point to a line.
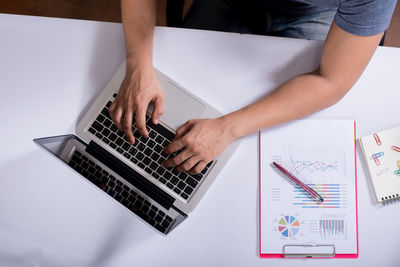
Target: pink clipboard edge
264	255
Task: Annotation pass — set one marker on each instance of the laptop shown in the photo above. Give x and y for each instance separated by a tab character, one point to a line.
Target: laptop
132	174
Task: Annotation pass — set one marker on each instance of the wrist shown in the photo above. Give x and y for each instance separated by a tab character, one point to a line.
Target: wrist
229	127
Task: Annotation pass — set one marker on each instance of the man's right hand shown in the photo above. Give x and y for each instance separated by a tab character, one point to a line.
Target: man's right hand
138	89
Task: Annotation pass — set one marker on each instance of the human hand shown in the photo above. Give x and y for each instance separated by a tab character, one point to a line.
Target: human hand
138	89
201	140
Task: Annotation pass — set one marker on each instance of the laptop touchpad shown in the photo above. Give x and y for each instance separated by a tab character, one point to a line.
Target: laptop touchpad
179	106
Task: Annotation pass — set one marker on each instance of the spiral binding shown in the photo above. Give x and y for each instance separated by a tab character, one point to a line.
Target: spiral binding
390	199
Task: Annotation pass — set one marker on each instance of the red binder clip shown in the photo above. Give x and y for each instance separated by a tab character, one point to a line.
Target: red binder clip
395	148
377	140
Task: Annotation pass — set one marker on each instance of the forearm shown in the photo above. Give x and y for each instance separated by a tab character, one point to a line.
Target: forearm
138	18
299	97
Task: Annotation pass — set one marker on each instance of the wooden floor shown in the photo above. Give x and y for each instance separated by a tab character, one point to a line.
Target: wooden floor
109	10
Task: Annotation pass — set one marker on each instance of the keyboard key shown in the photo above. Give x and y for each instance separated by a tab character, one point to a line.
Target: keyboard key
151	143
119	141
161	213
168	219
120	150
148	151
170	186
159	139
127	155
177	190
160	170
162	180
100	118
148	170
152	213
165	224
192	182
113	137
107	123
98	135
141	165
92	130
146	161
197	177
182	176
141	146
153	166
131	198
167	175
132	151
105	132
113	145
174	180
124	202
108	104
120	133
155	156
118	188
105	140
161	130
184	196
152	134
188	190
126	146
134	160
158	218
181	185
158	148
160	228
156	175
106	113
124	193
114	128
145	209
139	155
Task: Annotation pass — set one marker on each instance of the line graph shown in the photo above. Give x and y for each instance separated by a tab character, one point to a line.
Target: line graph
311	166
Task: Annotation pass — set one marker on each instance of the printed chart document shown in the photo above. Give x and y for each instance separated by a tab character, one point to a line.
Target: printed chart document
322	154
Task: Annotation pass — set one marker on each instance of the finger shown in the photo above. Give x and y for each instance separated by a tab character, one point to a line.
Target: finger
177	160
141	120
116	115
183	130
128	124
198	167
158	109
176	145
189	163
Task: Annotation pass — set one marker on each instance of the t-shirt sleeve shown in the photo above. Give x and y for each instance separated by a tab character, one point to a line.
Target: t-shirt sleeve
364	17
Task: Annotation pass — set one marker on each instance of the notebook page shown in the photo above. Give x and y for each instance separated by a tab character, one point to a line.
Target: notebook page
321	153
382	162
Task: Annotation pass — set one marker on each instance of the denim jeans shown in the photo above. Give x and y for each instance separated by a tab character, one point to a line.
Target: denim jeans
242	17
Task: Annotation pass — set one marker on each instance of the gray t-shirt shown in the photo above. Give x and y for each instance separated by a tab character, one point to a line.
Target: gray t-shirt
360	17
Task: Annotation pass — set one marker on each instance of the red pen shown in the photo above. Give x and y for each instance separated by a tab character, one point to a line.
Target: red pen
300	183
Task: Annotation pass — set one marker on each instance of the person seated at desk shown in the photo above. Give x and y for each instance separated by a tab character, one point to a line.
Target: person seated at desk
352	30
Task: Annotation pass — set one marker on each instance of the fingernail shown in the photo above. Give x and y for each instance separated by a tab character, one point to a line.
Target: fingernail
156	121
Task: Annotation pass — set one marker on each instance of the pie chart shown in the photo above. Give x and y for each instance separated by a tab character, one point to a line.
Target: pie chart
288	226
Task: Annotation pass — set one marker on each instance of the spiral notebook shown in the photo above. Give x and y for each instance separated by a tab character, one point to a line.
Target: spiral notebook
322	154
382	157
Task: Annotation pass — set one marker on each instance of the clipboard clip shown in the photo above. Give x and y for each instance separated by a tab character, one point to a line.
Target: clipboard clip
309	250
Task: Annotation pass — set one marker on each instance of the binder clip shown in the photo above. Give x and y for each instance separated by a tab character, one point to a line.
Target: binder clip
309	251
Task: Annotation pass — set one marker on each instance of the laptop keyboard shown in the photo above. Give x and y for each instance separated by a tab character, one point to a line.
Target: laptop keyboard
147	153
120	192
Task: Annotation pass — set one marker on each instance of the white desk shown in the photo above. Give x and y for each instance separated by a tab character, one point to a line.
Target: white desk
51	70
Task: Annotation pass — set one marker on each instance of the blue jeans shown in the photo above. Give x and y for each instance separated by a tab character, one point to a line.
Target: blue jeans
243	17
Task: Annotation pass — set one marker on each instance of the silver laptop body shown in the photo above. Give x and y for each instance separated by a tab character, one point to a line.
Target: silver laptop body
137	166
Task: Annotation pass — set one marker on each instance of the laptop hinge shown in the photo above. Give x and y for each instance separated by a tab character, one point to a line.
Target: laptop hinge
130	175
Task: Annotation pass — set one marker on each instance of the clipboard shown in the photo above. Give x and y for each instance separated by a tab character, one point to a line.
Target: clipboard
309	248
